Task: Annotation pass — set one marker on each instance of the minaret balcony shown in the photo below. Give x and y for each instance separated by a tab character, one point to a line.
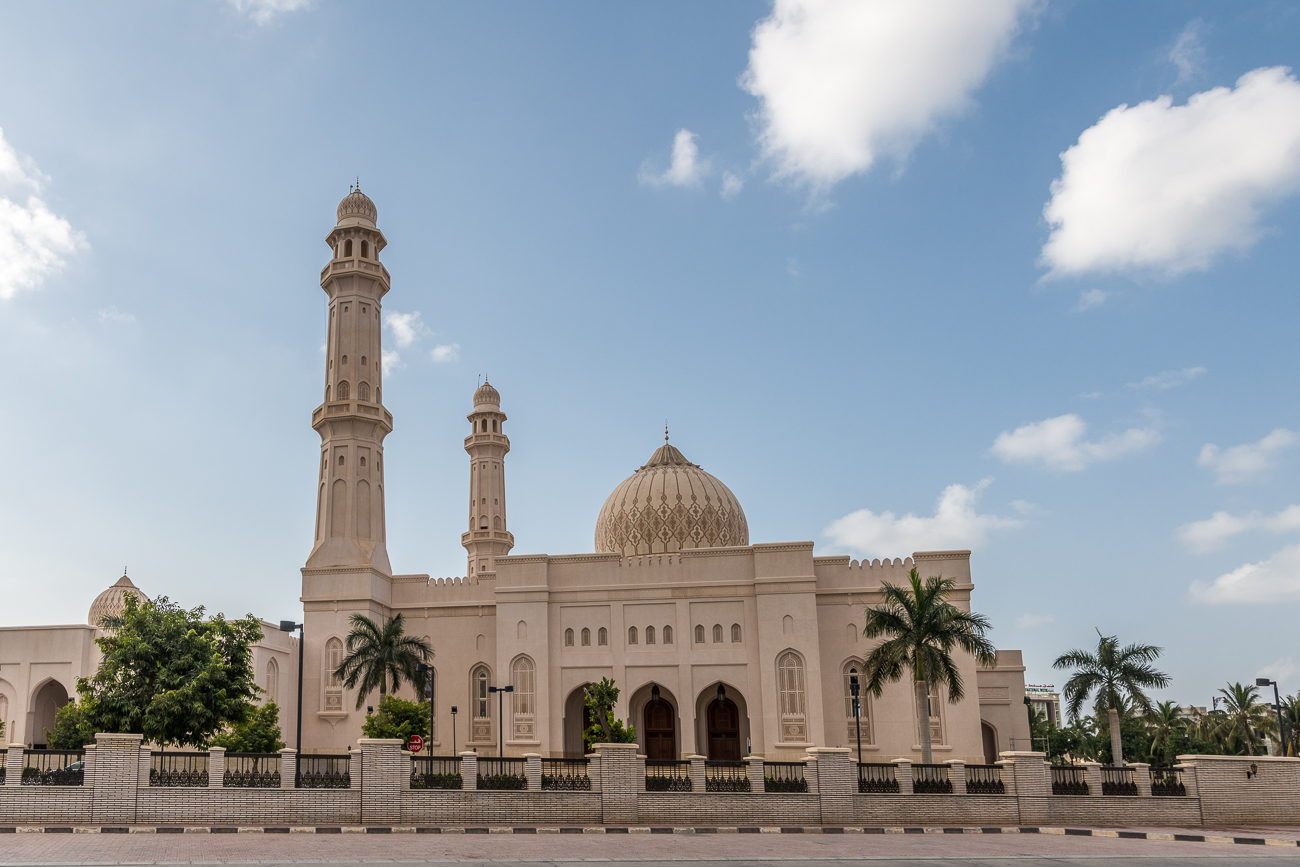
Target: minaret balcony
352	407
474	439
365	266
488	536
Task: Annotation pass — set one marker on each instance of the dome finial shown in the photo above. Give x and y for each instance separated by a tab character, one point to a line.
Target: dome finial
665	430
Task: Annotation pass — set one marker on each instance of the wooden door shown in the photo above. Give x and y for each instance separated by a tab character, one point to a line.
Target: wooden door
660	730
724	731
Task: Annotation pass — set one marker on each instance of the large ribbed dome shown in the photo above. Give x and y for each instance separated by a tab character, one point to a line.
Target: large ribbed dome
670	504
110	603
357	204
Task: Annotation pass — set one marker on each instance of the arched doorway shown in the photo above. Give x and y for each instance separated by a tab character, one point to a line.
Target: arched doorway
45	706
724	730
577	720
990	737
660	727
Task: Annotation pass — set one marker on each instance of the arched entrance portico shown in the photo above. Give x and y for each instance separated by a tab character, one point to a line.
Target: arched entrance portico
990	737
722	720
577	719
652	708
45	705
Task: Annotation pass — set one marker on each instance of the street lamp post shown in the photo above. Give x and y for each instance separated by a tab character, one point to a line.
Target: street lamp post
453	729
290	626
501	720
1277	706
422	668
857	708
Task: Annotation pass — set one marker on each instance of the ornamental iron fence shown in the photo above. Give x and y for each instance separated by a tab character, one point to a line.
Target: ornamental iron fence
435	772
566	775
178	770
875	778
726	776
4	759
1119	781
1167	783
784	777
1069	780
322	771
252	771
502	773
931	780
54	767
984	780
667	776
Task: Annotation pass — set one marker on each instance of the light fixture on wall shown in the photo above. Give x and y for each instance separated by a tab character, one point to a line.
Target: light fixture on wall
722	694
654	695
1254	770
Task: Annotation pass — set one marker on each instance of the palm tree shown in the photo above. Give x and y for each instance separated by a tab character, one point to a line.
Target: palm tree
922	628
380	656
1113	672
1163	721
1245	719
1291	716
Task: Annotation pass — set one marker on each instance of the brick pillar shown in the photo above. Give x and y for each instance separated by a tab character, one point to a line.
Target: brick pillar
469	771
618	786
757	783
288	768
144	763
88	765
1008	769
957	775
837	783
406	769
1142	772
14	765
216	767
1189	779
810	774
1094	778
533	770
1033	777
903	773
117	778
355	769
593	771
640	773
381	777
699	782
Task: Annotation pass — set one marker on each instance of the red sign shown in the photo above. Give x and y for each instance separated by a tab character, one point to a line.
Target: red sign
415	744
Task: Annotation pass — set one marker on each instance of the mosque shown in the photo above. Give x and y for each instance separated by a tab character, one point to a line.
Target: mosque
720	646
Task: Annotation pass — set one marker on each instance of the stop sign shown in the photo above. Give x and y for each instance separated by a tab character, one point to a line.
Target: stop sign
415	744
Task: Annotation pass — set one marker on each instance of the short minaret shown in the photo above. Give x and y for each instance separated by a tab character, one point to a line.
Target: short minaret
352	421
487	444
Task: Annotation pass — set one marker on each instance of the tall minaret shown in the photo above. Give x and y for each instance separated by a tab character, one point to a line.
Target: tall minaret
352	421
487	445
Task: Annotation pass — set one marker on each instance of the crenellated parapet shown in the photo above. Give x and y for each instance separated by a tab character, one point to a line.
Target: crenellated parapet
424	590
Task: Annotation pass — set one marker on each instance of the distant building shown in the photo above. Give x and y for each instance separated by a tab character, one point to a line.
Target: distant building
1045	698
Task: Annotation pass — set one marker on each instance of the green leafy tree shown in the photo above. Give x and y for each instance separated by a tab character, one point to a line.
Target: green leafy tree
601	698
397	718
1164	723
1113	674
171	675
379	657
1245	722
72	729
260	733
1291	716
921	630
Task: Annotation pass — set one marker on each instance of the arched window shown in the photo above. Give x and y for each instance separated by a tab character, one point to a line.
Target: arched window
494	425
327	394
496	522
936	715
586	637
522	700
649	635
379	395
631	635
668	635
363	391
699	634
347	247
735	632
272	680
863	705
480	707
790	689
365	250
345	358
343	390
482	522
333	684
485	425
602	636
717	633
568	637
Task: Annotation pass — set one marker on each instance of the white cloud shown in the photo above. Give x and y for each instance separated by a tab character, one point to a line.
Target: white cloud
390	360
1166	188
449	352
407	328
955	524
1059	444
842	82
116	317
1090	298
731	185
1029	621
1244	462
1210	534
1276	579
686	169
1170	378
1024	507
1280	670
262	11
34	241
1188	52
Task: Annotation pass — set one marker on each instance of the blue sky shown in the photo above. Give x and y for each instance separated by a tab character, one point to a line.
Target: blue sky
1012	276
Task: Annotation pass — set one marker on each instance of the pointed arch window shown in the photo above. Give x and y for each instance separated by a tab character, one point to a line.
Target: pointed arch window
699	634
343	390
481	705
792	701
602	637
717	633
864	702
363	391
272	679
586	637
333	683
631	635
365	249
735	633
568	637
347	247
668	635
523	699
935	699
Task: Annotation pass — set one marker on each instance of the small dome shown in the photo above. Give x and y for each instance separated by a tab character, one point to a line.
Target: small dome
668	505
357	205
487	396
110	603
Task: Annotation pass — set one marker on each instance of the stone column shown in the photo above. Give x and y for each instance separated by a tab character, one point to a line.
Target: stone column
757	782
1094	778
836	784
618	786
533	770
469	771
14	765
216	767
699	782
288	768
1142	773
381	775
903	773
957	775
117	778
355	769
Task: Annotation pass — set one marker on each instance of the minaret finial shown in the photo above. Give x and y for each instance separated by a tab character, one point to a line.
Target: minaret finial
358	183
665	430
